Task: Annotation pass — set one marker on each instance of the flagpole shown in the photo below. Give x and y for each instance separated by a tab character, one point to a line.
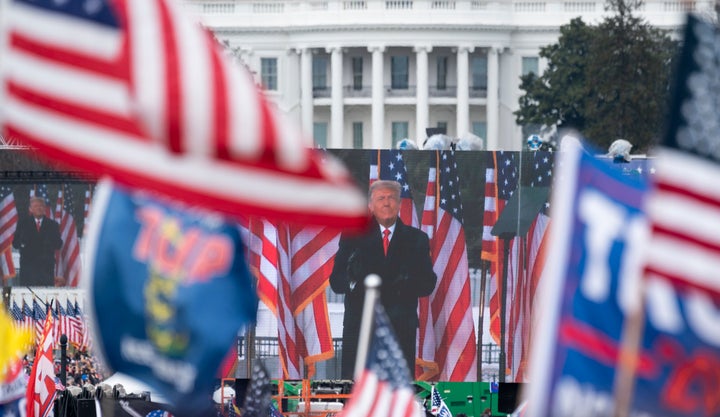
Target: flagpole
372	282
484	265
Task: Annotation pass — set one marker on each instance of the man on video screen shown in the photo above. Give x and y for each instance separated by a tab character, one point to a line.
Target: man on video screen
400	255
37	237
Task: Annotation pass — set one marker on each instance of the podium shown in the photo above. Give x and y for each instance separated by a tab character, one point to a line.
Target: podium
515	220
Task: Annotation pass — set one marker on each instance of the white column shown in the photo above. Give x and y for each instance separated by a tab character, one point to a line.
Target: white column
306	93
378	97
463	90
336	95
492	142
422	109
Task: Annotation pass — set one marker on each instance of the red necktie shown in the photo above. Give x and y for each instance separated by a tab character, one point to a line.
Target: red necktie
386	240
37	224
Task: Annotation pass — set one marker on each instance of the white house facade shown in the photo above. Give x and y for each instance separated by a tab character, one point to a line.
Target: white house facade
368	73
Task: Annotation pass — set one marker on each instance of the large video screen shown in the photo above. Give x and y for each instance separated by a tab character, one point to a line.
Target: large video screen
478	223
459	269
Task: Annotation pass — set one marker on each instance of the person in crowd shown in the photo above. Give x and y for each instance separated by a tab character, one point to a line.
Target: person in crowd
400	255
37	237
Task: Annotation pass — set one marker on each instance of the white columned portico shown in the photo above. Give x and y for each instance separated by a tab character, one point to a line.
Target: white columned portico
492	142
422	109
378	97
336	96
306	93
463	89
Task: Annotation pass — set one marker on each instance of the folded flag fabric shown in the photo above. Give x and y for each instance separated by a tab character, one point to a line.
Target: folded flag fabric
159	274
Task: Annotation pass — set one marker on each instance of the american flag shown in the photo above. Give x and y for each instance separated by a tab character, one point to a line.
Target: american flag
292	264
450	307
16	312
86	342
524	279
391	166
38	318
684	210
437	404
68	263
501	180
74	327
135	90
8	224
41	389
384	387
305	262
60	320
427	368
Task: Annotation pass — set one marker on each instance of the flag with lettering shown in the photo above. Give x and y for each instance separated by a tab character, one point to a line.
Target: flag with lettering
160	274
41	391
8	224
592	284
136	90
384	387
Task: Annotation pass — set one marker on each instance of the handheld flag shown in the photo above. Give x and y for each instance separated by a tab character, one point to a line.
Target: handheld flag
160	274
437	404
383	388
135	90
41	390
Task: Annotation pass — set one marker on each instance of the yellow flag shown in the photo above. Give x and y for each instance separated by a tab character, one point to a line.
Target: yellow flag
15	342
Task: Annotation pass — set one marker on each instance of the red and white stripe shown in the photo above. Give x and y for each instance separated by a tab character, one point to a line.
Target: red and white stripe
684	213
450	302
41	390
8	224
375	398
68	263
293	265
156	105
305	262
491	245
427	367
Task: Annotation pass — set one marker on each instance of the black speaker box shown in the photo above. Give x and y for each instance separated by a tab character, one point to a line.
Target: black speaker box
86	408
241	385
508	396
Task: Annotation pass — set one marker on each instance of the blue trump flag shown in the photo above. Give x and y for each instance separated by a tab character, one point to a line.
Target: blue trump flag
169	289
589	288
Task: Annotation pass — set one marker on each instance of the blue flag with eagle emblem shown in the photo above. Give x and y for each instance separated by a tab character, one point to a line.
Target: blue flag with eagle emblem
160	272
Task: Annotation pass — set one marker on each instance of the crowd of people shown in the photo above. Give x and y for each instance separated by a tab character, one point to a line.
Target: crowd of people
81	368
